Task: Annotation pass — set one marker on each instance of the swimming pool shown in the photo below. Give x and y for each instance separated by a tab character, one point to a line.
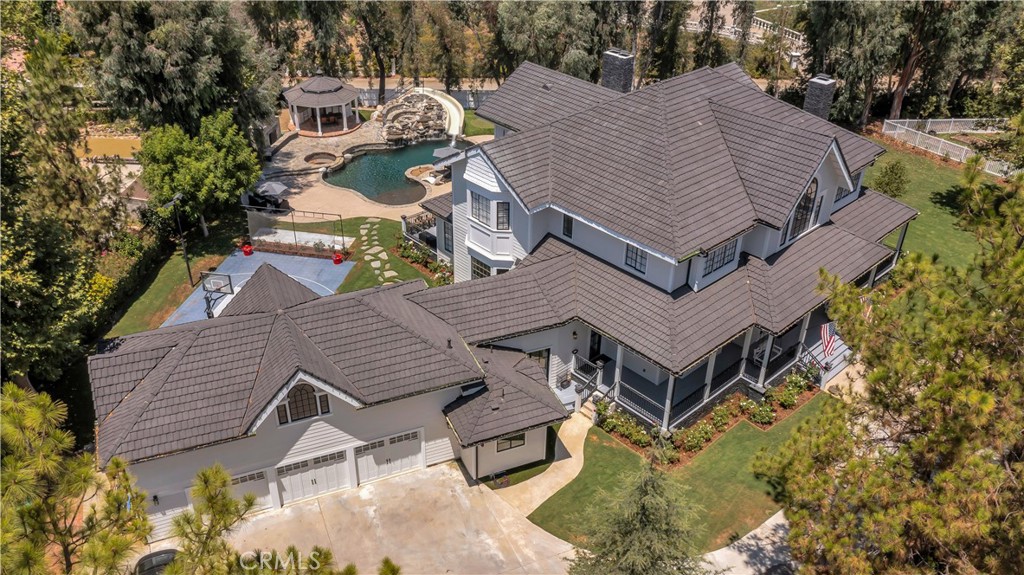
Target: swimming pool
380	175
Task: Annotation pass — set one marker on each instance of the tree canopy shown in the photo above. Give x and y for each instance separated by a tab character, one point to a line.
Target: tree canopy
925	472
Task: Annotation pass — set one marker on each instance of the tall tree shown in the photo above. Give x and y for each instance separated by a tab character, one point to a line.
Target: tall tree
176	62
707	48
1011	63
608	31
327	50
644	531
663	53
931	34
743	20
211	171
202	531
277	24
376	39
555	34
409	38
449	46
54	500
926	472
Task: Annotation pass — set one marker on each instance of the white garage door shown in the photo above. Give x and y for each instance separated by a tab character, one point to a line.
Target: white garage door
255	483
389	456
163	511
313	477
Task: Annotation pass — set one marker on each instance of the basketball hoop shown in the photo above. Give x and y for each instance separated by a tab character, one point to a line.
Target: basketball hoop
216	286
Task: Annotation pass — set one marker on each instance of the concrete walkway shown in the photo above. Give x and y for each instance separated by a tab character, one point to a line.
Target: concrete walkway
528	495
757	551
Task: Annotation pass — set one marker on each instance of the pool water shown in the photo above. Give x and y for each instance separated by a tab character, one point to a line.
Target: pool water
380	175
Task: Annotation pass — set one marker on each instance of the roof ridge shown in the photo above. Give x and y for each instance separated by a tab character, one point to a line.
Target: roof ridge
748	116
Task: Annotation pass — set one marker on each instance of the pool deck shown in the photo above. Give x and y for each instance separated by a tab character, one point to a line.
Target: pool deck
318	274
292	154
308	192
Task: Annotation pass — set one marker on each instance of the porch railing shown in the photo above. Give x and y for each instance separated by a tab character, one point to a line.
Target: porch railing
728	374
687	403
639	403
589	376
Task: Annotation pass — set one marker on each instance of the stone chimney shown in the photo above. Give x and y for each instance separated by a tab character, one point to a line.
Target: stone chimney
818	99
617	70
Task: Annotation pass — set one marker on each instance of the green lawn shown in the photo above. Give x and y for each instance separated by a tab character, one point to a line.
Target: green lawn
475	125
364	115
935	231
524	472
362	275
720	479
169	287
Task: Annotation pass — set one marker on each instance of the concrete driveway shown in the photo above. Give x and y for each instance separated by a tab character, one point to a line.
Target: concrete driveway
429	522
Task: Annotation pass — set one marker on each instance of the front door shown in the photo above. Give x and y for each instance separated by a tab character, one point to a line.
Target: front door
595	346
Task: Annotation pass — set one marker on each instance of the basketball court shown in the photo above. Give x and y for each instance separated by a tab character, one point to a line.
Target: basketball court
318	274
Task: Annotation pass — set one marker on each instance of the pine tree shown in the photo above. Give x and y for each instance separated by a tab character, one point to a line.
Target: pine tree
54	500
708	49
202	531
644	531
743	19
925	474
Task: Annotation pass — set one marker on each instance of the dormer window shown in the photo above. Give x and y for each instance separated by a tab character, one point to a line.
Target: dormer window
636	258
719	257
805	215
303	402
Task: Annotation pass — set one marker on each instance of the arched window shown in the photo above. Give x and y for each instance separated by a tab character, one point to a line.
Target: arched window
802	216
302	402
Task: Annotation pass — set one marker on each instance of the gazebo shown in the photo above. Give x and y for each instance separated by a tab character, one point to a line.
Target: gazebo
322	102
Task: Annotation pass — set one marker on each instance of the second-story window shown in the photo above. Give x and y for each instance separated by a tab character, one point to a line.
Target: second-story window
805	209
448	239
842	192
567	225
636	258
502	215
481	208
719	258
478	269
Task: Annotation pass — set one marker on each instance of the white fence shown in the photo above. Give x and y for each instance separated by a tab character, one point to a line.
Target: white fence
902	130
955	125
759	29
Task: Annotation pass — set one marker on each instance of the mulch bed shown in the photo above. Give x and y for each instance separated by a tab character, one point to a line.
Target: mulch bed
781	414
419	267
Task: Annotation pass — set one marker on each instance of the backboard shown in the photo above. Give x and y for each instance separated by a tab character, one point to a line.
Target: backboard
214	282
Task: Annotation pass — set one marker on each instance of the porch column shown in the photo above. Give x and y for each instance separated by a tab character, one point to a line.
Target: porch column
765	358
319	130
668	402
899	243
803	326
746	350
344	118
871	278
295	117
355	105
618	370
710	374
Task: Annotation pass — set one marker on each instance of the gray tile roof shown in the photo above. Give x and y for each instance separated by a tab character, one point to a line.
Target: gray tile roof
185	386
558	283
440	206
269	289
642	163
534	95
320	92
515	398
873	215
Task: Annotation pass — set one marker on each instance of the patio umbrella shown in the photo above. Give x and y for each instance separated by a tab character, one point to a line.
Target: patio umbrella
272	189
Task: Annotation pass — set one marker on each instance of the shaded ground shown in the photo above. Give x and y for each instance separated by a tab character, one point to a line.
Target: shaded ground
720	479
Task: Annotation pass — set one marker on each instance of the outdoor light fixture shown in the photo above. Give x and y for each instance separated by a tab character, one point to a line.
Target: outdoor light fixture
156	500
575	335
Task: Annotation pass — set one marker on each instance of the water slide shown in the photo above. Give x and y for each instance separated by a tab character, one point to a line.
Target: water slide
452	107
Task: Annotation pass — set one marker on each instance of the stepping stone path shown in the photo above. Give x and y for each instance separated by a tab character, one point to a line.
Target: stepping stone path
375	253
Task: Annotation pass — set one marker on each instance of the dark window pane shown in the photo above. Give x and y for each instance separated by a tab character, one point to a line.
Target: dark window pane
448	241
512	442
478	269
282	414
302	402
636	258
566	225
503	215
325	404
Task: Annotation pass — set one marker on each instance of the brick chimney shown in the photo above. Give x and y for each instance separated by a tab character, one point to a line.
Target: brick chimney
617	70
818	99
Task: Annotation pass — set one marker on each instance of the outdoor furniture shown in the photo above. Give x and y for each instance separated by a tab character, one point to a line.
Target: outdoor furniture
759	354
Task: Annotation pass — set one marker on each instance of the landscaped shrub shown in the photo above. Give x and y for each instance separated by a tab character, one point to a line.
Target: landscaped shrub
663	451
763	414
721	415
627	426
697	436
747	406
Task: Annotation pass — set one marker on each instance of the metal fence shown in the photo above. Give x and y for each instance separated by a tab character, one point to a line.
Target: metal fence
902	131
469	99
297	232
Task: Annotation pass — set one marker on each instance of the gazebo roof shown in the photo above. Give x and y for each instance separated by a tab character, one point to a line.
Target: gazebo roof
321	92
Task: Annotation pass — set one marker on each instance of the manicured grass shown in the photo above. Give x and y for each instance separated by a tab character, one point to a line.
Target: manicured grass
169	287
475	125
364	115
720	479
362	275
524	472
935	231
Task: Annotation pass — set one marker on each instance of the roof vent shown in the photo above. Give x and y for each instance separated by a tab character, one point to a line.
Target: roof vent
449	343
546	87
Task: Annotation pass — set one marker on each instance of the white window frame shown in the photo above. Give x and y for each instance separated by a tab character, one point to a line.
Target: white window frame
473	260
497	216
319	397
640	257
711	265
511	442
476	202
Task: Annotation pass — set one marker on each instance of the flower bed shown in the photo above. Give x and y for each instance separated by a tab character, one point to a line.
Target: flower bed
797	388
424	260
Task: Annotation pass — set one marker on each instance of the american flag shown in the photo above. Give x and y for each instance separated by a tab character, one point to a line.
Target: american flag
828	338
